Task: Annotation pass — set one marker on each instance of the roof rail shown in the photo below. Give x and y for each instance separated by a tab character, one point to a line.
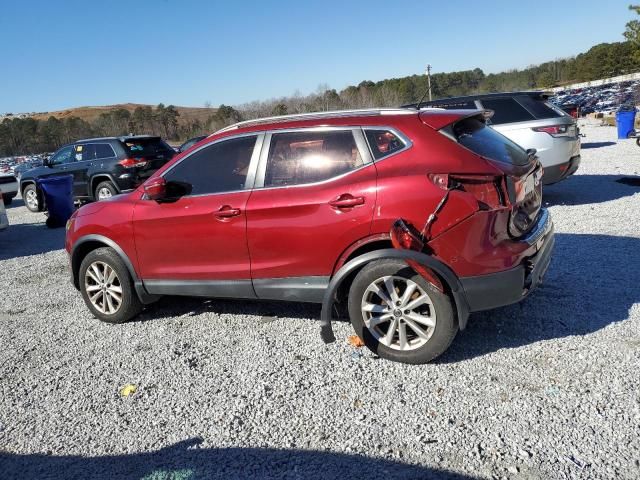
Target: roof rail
316	115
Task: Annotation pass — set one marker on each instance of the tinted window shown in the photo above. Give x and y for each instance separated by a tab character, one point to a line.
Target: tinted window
64	155
383	143
485	141
506	110
221	167
85	151
104	150
539	108
147	147
306	157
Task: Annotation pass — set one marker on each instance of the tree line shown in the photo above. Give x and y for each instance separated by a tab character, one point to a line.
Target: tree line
28	135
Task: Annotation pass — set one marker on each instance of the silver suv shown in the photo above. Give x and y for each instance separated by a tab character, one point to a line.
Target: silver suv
530	120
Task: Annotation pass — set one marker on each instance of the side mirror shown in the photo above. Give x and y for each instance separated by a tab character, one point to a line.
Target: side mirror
160	190
156	188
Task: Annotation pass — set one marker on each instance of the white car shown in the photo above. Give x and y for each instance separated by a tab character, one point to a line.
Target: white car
531	121
9	186
4	220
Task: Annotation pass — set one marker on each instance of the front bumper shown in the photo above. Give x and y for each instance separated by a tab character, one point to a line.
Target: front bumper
555	173
485	292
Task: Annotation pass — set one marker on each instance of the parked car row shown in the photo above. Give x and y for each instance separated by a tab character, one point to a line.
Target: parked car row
532	121
404	220
600	99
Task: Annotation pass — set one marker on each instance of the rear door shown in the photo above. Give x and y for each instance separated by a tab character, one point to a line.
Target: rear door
315	196
84	156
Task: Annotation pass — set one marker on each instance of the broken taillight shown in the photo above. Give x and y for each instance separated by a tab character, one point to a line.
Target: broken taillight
487	189
405	236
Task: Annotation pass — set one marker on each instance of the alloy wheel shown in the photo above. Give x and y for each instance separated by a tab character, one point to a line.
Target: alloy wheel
103	288
398	313
31	198
104	193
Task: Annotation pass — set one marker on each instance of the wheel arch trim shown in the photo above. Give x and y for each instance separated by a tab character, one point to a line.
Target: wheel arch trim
449	277
142	293
97	178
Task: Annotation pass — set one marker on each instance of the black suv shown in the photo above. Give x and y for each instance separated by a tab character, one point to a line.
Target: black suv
101	167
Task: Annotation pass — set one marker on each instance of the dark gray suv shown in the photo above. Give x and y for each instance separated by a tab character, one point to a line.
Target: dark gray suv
101	167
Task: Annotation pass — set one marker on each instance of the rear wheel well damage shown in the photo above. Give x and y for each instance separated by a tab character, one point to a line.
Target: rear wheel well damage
435	272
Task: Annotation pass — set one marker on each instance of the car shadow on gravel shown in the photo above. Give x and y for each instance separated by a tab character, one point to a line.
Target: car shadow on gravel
171	307
597	144
185	461
15	203
585	189
593	281
25	239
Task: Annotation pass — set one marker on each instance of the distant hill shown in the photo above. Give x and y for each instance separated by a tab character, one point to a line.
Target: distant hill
90	114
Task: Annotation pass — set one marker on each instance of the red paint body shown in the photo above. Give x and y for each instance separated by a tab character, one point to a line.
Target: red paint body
295	231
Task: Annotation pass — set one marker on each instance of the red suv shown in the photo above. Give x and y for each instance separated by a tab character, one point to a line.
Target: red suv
404	220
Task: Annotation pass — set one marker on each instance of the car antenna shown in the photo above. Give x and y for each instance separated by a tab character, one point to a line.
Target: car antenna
428	91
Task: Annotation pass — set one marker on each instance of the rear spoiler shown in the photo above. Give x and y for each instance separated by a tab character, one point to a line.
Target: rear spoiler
439	119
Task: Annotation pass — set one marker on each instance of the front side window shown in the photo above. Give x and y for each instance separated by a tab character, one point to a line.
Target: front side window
64	155
221	167
306	157
383	143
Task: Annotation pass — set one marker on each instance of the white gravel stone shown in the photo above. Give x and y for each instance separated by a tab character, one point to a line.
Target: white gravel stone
231	389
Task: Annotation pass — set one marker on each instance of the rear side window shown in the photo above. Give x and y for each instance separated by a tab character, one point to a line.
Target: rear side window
539	108
84	152
486	142
104	150
507	110
306	157
383	143
147	147
221	167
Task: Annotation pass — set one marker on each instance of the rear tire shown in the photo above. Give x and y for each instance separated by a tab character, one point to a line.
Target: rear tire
104	190
107	287
420	317
32	199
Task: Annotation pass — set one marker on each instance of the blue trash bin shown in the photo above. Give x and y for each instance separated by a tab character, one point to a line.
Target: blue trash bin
58	198
625	121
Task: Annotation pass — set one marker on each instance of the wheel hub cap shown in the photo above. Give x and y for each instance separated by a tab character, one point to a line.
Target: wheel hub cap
398	313
103	288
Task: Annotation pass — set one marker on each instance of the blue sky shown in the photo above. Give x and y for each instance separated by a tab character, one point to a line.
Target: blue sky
59	54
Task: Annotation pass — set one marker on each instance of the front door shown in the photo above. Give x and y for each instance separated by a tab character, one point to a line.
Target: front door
197	245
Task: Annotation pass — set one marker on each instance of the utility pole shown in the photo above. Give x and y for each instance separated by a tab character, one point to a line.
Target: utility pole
429	80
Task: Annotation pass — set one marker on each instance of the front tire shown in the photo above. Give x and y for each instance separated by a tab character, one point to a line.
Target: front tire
32	199
105	190
107	287
399	315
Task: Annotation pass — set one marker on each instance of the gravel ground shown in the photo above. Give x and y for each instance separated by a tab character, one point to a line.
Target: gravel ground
226	389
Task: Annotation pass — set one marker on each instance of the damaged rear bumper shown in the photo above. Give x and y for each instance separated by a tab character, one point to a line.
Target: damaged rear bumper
485	292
